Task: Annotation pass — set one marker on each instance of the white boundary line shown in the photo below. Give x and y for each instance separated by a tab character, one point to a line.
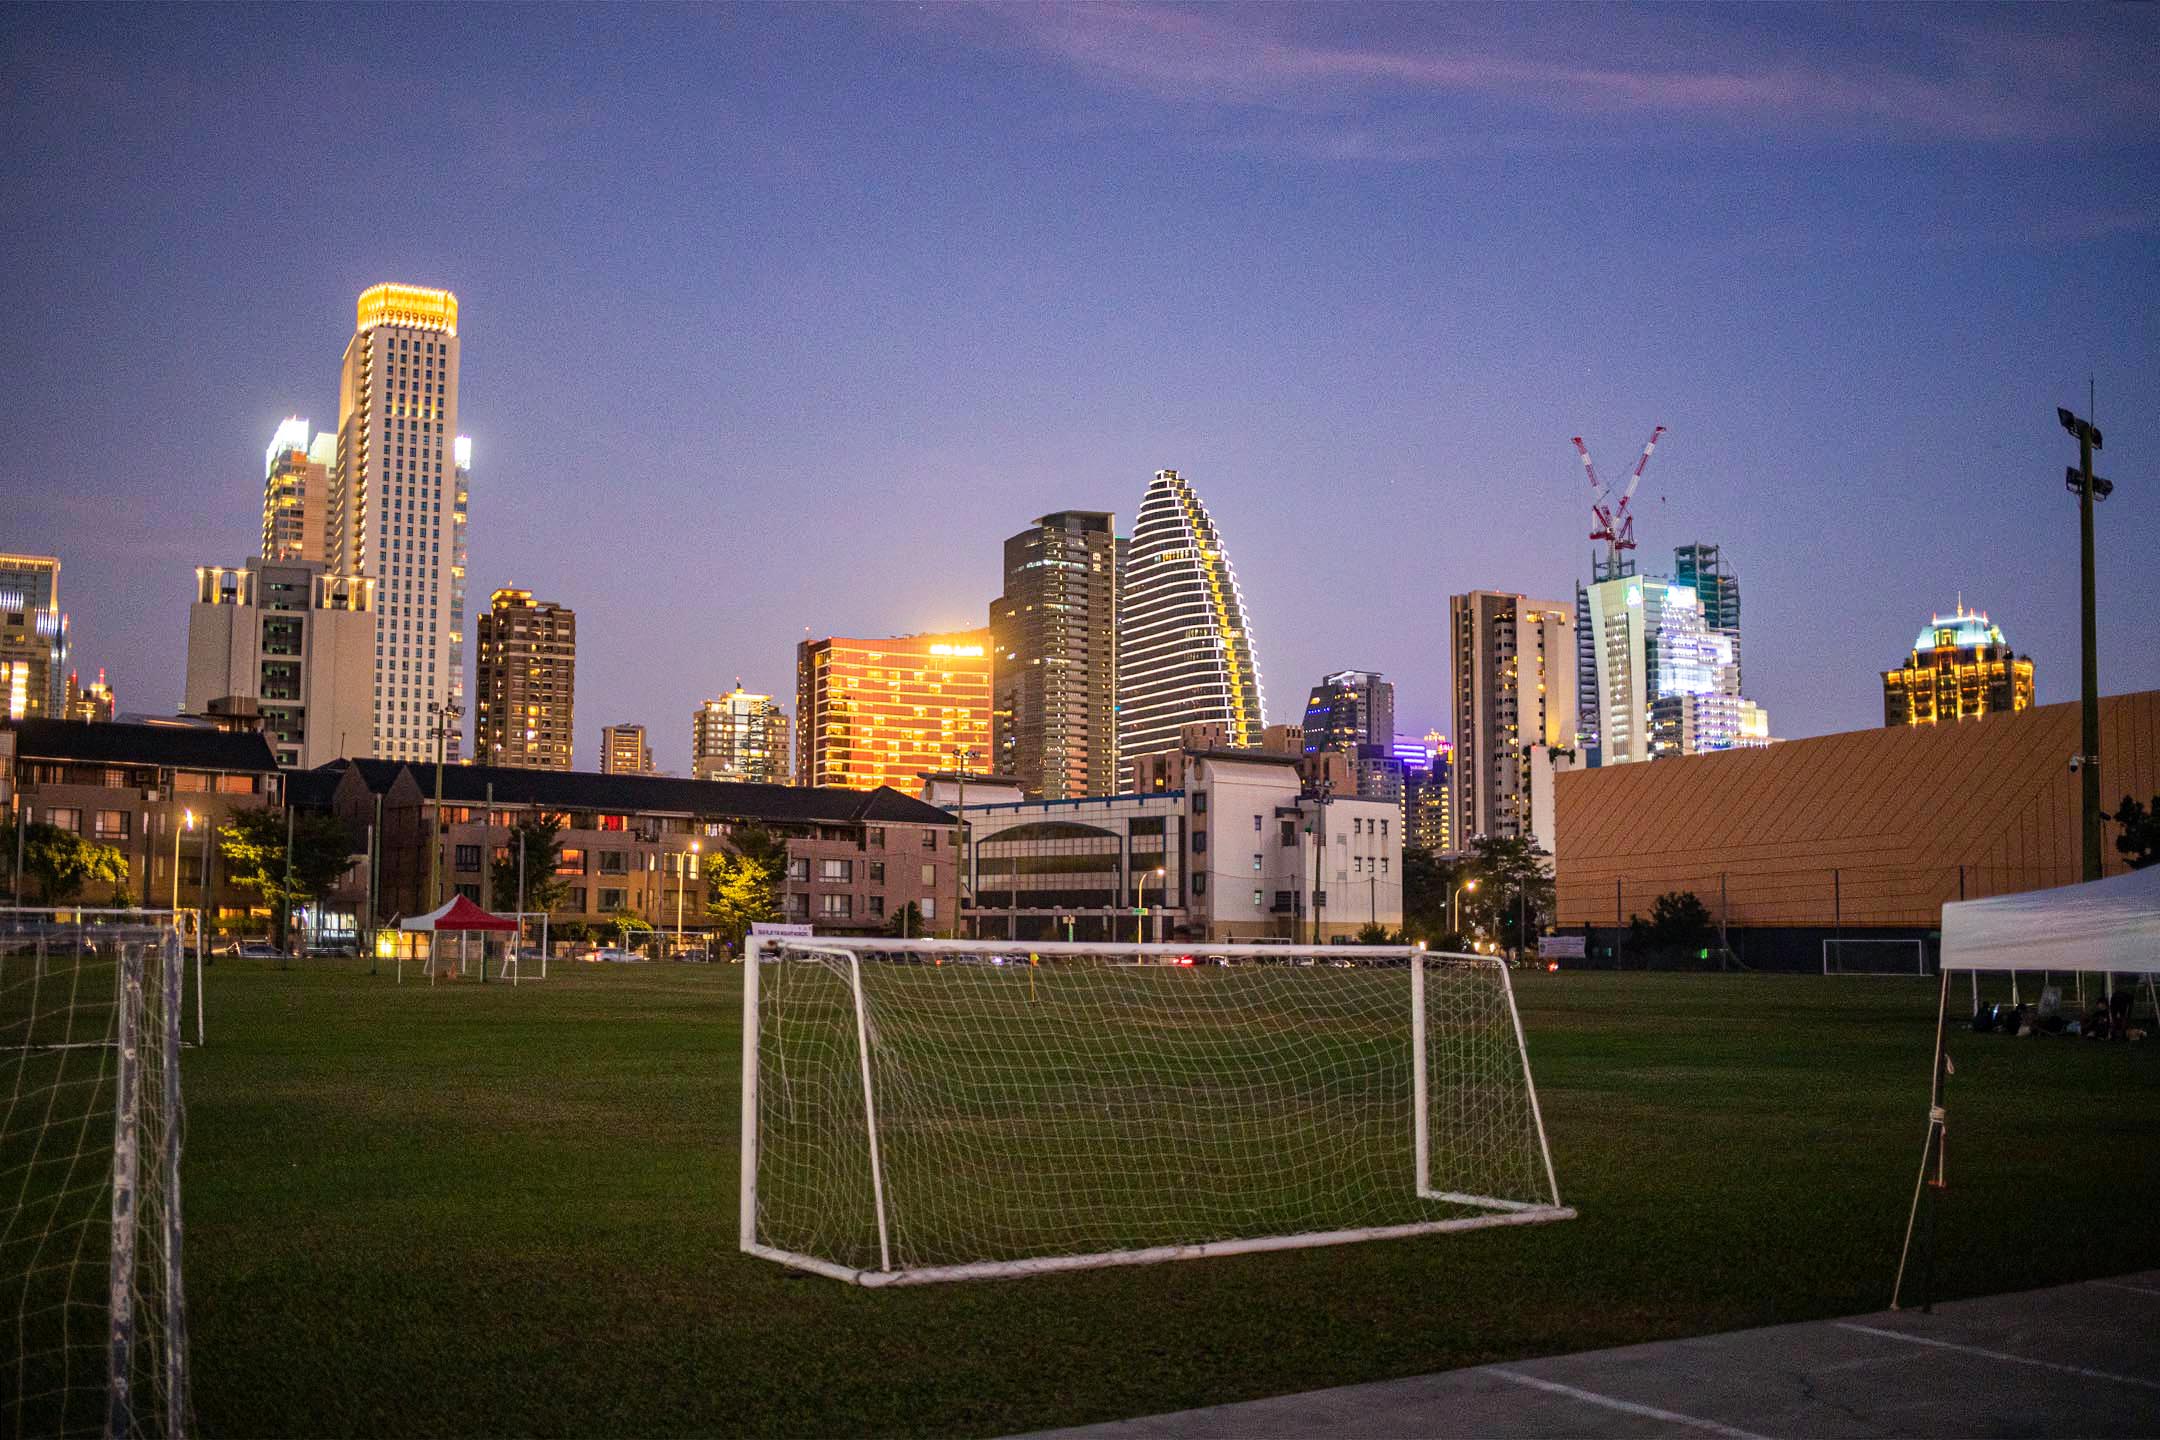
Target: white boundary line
2133	1289
1986	1353
1625	1407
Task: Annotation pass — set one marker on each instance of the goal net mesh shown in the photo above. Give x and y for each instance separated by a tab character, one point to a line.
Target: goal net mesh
90	1132
1027	1105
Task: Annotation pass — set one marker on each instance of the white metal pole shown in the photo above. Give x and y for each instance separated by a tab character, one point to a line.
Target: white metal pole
877	1164
1522	1049
127	1132
1421	1141
174	975
747	1225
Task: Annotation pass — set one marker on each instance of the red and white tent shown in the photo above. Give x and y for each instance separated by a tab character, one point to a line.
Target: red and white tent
460	918
460	915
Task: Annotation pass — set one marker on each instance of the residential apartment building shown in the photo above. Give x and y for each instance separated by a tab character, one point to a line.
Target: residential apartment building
156	793
33	638
871	712
742	737
526	682
1053	657
1960	667
1240	851
1514	691
639	843
397	508
297	476
623	750
1185	646
291	642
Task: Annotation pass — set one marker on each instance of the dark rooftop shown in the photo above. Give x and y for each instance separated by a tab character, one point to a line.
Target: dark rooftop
664	794
110	743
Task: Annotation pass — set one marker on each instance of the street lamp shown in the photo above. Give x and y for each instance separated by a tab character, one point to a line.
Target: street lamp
176	833
1455	904
1162	894
682	881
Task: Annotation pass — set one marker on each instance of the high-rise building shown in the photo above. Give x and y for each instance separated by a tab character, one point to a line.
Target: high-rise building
1185	648
461	491
395	515
1427	820
1960	666
1348	709
92	703
1053	658
296	493
888	711
1665	682
526	681
1514	690
33	638
740	736
1703	570
289	644
623	750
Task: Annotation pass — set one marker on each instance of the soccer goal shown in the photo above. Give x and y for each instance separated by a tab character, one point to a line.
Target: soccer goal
932	1110
1874	957
91	1015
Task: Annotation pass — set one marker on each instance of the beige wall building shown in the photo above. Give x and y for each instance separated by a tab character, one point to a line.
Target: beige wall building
1514	689
526	681
293	642
742	737
885	711
623	750
395	513
296	493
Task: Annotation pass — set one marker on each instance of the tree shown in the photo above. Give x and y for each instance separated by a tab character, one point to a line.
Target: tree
906	923
2139	842
740	892
626	923
1373	934
1678	927
63	863
755	842
253	842
1427	883
1514	894
544	889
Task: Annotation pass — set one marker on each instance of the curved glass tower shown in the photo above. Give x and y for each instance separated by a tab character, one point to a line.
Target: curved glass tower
1185	649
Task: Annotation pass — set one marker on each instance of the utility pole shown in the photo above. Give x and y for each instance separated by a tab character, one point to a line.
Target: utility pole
2088	487
963	757
445	714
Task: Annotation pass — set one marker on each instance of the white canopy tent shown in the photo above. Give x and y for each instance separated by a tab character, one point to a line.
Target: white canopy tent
2105	927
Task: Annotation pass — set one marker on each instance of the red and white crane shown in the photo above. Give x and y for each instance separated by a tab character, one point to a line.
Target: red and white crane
1615	525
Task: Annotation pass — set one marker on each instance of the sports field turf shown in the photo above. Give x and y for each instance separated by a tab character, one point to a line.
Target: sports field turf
476	1210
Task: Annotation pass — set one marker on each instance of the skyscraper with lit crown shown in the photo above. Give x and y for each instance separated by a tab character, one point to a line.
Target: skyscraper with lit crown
395	514
1185	647
296	492
1961	667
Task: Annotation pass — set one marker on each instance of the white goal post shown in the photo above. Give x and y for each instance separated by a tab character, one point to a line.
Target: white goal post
91	1021
930	1110
1874	957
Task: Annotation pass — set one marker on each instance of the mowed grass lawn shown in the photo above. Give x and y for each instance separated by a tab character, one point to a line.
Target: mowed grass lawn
480	1211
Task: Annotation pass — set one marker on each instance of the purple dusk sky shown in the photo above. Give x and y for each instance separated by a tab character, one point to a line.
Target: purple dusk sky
778	319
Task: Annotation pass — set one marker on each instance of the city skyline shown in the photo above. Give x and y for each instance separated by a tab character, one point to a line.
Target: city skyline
1875	449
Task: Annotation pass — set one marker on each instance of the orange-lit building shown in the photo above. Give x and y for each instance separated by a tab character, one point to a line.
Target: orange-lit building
884	711
1960	667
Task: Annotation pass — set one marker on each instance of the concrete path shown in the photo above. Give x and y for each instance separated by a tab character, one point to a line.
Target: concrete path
2076	1360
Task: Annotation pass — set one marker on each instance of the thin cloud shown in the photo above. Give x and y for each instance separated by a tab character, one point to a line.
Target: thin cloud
1934	82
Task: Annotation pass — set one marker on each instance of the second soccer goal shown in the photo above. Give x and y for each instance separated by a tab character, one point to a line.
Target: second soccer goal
943	1110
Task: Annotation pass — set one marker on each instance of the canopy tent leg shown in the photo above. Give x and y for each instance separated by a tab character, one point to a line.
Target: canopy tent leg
1975	989
1932	1153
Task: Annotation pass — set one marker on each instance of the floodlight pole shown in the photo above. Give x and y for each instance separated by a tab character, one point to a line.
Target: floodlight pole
2088	488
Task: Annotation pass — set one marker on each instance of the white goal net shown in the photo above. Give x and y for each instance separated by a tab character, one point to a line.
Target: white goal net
940	1110
90	1131
1874	957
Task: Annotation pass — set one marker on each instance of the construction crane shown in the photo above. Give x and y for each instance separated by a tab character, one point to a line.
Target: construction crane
1614	524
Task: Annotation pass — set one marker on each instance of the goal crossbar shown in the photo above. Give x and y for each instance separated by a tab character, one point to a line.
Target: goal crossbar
860	1026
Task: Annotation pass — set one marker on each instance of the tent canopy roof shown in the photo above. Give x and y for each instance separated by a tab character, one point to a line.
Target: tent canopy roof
459	914
2111	924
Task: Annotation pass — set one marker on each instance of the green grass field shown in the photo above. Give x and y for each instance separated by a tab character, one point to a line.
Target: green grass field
476	1210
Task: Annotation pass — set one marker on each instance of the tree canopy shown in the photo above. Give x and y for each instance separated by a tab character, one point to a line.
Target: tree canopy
252	843
64	864
542	842
2139	842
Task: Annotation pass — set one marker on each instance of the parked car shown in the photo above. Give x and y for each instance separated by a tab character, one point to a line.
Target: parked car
609	956
253	950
